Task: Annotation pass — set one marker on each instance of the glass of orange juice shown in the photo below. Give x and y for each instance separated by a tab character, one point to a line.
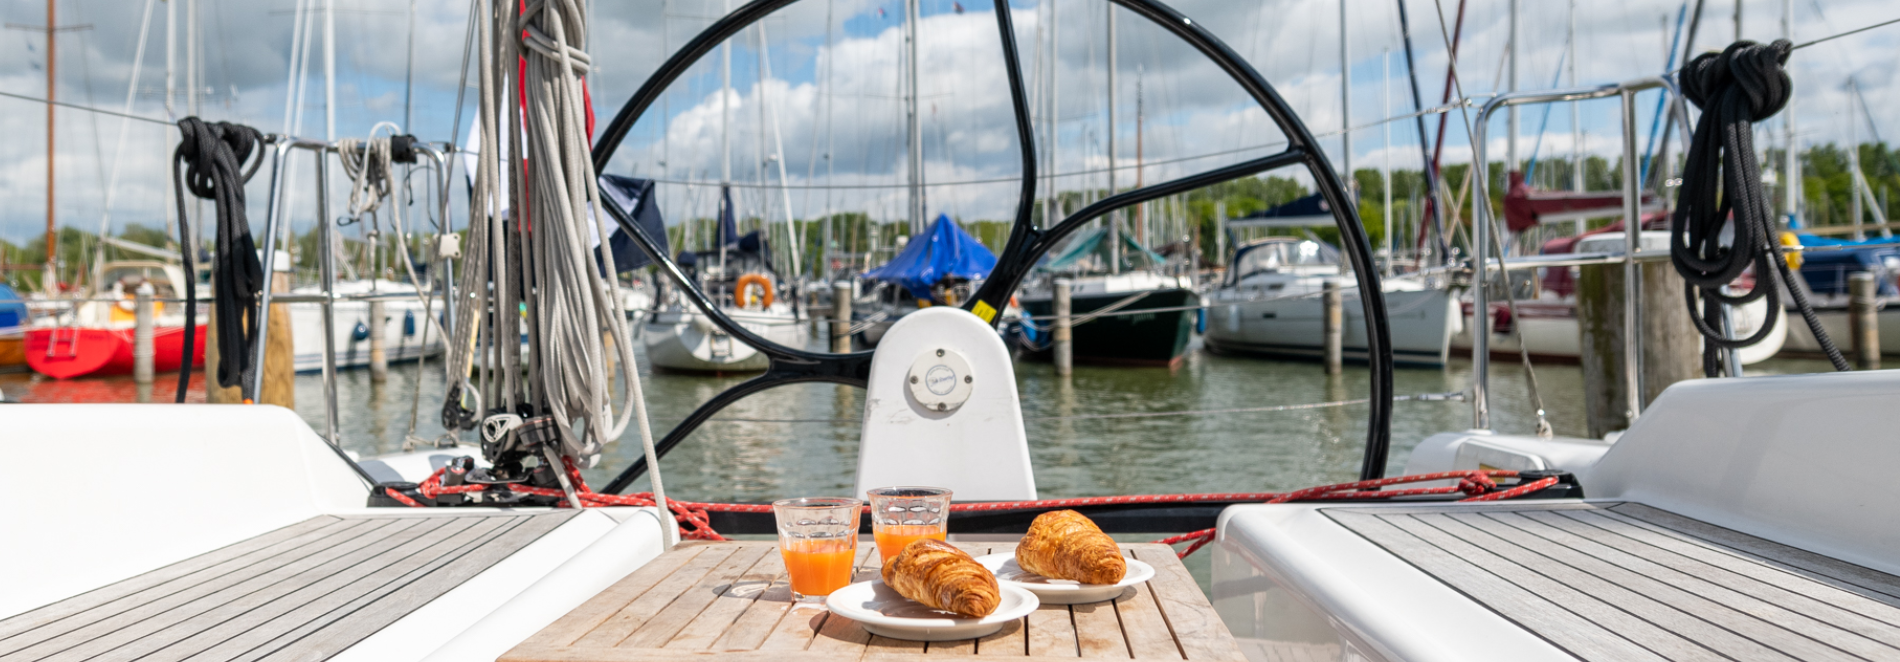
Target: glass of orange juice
818	536
901	515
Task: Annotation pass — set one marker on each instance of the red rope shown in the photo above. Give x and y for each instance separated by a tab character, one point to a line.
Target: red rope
696	523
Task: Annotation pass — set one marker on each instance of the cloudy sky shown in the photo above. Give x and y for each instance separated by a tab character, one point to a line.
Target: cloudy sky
834	89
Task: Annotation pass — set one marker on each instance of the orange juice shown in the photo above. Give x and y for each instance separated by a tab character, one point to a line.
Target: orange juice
818	567
893	539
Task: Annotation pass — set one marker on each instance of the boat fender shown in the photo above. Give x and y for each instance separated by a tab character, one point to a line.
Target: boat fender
360	333
408	324
742	290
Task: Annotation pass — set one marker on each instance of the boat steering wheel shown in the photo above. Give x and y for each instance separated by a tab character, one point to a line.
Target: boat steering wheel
1026	243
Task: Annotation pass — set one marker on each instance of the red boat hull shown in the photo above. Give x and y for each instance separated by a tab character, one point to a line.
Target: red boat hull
80	352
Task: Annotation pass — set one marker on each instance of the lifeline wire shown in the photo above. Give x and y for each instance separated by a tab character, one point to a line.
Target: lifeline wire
212	155
1744	84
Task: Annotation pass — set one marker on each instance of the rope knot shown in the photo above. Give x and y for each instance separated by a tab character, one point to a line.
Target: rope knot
1753	69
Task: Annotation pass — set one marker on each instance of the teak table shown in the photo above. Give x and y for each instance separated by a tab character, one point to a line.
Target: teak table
729	600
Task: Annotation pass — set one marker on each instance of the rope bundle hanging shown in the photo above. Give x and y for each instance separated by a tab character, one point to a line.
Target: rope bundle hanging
212	155
534	245
1721	181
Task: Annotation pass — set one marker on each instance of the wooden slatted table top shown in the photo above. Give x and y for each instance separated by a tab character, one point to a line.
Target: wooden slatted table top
731	600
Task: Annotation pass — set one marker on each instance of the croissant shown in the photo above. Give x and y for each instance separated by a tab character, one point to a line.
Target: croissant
1064	544
943	577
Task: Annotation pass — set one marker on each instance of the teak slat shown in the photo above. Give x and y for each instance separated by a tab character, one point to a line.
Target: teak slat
718	626
1866	581
672	618
731	600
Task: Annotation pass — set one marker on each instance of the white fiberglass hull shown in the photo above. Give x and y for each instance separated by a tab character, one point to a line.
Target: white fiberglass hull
1549	330
687	340
1422	324
402	328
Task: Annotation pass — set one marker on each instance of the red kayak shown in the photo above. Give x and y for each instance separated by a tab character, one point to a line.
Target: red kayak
84	351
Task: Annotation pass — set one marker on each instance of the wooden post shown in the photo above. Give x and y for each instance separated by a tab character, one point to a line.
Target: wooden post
142	342
1863	305
1064	336
841	317
1670	344
1333	322
378	353
280	368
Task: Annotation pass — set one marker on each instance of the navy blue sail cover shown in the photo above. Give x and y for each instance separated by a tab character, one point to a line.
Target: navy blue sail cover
635	198
943	250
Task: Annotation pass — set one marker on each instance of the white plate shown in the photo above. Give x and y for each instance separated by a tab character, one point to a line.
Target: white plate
1063	591
883	611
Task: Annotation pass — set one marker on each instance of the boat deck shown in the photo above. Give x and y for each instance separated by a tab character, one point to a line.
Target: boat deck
1623	581
303	592
731	599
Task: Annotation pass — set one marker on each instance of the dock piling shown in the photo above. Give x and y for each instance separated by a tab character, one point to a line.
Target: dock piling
1064	336
378	353
1333	325
142	341
841	317
1669	344
1863	306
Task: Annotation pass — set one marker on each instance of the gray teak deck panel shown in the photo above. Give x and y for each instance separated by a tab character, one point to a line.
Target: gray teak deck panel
730	600
303	592
1623	581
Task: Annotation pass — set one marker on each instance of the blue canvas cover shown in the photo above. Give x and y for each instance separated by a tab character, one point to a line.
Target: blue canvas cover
943	250
1827	271
12	309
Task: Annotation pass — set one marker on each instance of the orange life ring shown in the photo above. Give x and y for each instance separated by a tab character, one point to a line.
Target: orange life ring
742	291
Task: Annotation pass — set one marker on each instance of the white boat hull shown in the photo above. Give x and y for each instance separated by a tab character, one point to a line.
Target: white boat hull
687	340
1549	330
402	328
1422	324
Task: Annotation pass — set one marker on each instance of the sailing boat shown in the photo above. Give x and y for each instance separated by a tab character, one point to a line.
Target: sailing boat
95	338
738	274
1142	316
1268	303
942	267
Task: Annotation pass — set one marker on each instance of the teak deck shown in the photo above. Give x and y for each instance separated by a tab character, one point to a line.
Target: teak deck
303	592
730	600
1623	581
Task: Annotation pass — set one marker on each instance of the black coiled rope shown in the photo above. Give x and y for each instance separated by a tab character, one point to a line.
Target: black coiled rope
1741	85
212	155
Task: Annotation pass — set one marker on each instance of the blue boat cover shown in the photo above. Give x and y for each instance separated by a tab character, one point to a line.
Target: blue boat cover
12	309
1827	271
943	250
633	200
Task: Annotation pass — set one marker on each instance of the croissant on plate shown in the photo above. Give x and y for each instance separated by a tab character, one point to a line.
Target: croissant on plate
943	577
1064	544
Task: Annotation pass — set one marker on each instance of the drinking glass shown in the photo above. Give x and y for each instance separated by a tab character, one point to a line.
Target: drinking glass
818	536
902	515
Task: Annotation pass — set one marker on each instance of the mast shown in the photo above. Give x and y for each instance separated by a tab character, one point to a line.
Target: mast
171	58
1141	212
1791	162
1424	149
913	123
725	144
1576	123
830	55
1853	165
1345	101
329	70
1055	110
792	235
1385	152
409	72
49	279
191	57
1114	217
1510	142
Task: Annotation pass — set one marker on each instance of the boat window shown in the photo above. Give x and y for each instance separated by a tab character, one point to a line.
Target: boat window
128	278
1272	257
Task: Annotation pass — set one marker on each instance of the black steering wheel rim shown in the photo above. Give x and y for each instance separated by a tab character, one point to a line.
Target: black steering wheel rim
1026	244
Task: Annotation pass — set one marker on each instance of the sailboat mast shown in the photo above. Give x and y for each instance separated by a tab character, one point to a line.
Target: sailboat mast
51	278
1114	217
1510	141
914	124
825	249
1141	212
329	70
1791	161
1055	112
1385	153
1576	121
725	144
1853	165
792	235
1345	101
